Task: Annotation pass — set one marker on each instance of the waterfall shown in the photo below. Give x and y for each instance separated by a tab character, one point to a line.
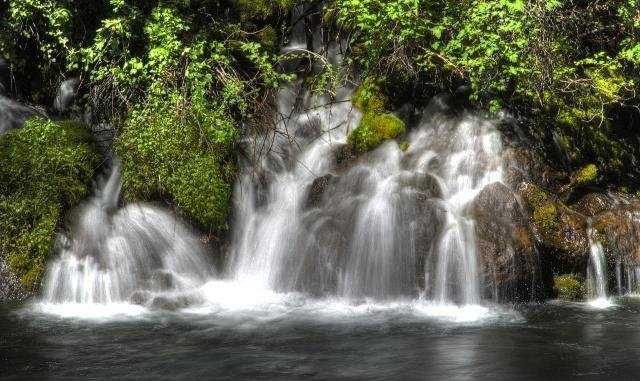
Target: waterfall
596	277
311	218
387	225
138	254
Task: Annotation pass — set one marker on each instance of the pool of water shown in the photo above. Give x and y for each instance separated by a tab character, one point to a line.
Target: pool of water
302	340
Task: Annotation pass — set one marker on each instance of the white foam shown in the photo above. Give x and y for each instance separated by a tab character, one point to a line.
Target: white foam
91	311
242	305
601	303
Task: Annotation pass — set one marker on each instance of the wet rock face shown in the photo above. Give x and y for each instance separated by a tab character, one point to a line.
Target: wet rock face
508	256
619	231
593	203
318	188
10	289
525	164
66	94
556	226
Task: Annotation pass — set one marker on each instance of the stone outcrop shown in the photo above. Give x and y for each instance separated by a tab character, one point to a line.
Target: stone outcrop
510	265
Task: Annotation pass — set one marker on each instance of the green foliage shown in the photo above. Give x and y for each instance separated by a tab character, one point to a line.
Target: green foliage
569	66
175	77
44	169
180	152
568	287
373	129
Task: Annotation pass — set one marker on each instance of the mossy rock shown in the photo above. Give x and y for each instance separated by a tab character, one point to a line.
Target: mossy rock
617	230
568	287
180	154
584	176
369	97
373	130
556	225
45	169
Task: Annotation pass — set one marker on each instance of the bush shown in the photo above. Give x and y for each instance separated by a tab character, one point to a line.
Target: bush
568	287
45	168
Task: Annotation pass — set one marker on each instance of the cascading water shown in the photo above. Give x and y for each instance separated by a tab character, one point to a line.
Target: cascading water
596	277
139	254
389	225
312	219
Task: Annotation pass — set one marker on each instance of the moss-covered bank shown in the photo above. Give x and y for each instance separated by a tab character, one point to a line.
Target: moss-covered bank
181	154
45	168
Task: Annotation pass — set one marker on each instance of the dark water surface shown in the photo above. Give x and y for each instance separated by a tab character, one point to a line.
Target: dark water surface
537	342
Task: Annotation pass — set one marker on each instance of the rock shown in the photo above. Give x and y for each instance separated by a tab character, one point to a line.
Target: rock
318	188
426	183
344	156
498	199
525	164
508	256
555	225
619	231
13	115
593	203
66	94
10	288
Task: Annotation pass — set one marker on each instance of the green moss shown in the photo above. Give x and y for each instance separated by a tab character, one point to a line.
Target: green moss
404	146
261	9
546	216
536	195
568	287
369	97
586	175
180	153
373	129
45	168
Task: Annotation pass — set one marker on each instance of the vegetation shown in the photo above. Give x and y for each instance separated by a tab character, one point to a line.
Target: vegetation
45	168
181	81
568	287
570	67
182	152
376	125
